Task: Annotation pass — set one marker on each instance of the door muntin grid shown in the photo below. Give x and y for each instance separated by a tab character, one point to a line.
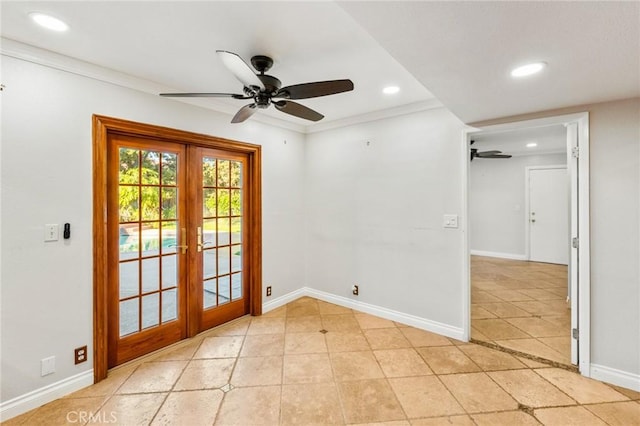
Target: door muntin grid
148	239
221	231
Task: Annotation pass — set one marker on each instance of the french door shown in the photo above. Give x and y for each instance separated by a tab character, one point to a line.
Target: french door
220	229
177	231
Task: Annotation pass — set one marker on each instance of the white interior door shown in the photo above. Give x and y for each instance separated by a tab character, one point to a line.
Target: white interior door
549	215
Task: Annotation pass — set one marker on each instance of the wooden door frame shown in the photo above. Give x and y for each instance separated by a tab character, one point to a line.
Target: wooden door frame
104	126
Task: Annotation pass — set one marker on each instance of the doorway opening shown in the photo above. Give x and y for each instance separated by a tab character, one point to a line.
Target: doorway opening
527	239
177	231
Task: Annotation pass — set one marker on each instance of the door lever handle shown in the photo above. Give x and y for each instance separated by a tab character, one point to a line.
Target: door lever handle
200	245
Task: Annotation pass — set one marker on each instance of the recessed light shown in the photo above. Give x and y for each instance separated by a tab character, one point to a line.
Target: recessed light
390	90
532	145
528	69
48	21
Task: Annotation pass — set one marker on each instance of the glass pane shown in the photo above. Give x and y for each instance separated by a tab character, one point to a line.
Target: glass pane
129	204
169	203
209	233
236	286
210	291
223	173
208	171
169	305
236	176
236	202
150	310
150	167
169	271
150	203
169	168
224	260
224	289
169	237
223	232
129	316
236	230
128	279
209	203
223	202
129	160
150	239
150	274
236	258
209	263
129	241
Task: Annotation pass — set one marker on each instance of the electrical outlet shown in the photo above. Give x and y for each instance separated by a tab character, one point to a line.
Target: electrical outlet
450	221
80	354
355	289
47	366
268	291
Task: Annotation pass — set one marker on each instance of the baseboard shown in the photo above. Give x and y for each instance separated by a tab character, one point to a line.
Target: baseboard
499	255
282	300
412	320
615	377
44	395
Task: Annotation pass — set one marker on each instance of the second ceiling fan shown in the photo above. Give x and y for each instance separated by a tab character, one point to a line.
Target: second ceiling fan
266	90
486	154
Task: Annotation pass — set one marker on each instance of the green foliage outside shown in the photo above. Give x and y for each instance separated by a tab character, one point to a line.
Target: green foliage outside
156	203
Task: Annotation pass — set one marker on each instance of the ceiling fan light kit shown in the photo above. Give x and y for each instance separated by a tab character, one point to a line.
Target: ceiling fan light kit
263	89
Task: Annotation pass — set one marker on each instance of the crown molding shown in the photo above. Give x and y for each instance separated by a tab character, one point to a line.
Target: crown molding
47	58
376	115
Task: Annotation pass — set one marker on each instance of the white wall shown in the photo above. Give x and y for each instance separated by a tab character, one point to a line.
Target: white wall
46	178
497	202
375	214
615	235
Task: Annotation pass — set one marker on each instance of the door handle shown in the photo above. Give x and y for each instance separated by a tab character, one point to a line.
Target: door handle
200	245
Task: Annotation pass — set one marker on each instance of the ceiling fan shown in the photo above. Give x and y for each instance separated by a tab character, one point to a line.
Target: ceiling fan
266	90
486	154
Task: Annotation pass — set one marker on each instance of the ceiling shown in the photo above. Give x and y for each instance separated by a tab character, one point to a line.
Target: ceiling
174	44
461	52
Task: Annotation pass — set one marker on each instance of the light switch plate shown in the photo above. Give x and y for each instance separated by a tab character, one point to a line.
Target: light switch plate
450	221
51	232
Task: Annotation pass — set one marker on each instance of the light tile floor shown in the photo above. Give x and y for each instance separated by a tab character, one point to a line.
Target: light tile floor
521	306
281	369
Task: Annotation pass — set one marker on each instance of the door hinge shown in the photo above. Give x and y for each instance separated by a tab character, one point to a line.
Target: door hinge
575	242
575	334
575	152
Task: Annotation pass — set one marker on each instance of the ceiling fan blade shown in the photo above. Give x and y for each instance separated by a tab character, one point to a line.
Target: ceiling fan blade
204	95
489	152
240	69
314	90
495	156
244	113
298	110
